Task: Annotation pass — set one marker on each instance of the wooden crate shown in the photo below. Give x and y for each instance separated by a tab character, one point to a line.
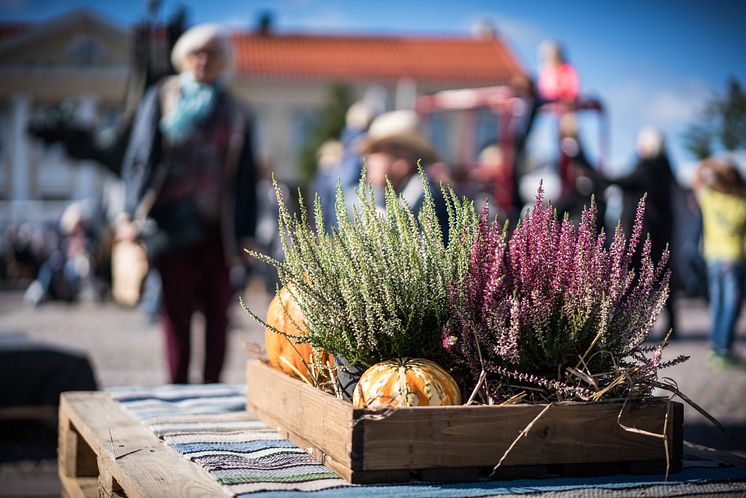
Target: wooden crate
103	451
460	443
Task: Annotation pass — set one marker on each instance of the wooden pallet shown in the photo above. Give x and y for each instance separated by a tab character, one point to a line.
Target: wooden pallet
464	443
103	451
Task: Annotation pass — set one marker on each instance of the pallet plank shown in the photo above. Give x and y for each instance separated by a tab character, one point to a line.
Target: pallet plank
76	458
78	487
131	457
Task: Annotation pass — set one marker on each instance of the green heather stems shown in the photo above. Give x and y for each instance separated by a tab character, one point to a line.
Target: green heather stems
377	287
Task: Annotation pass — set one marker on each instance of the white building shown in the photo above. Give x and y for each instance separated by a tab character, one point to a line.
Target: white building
83	60
79	59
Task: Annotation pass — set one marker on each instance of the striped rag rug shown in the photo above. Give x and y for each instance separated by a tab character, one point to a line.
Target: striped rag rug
208	425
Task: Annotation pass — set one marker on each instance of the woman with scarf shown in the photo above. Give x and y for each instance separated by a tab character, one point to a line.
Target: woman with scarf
190	176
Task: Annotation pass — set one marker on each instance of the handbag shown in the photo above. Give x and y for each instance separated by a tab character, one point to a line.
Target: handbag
173	227
129	266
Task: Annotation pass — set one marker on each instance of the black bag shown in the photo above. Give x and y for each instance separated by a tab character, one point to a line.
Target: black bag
177	226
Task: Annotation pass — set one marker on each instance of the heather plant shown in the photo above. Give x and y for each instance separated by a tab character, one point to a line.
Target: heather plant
377	286
553	313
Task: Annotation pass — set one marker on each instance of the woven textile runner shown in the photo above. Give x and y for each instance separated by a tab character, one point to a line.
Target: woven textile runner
208	425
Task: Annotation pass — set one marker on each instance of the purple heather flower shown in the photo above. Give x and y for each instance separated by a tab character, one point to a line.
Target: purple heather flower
534	303
449	341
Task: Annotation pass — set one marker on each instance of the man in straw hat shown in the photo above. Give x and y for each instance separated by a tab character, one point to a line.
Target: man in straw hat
394	144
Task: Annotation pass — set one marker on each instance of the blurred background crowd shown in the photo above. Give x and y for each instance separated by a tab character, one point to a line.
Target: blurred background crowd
75	90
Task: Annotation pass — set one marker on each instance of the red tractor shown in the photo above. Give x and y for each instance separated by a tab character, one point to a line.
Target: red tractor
516	138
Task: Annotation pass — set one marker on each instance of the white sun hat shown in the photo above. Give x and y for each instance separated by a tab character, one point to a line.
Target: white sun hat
400	128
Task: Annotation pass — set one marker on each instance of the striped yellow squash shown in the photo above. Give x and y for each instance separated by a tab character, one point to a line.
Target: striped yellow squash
406	382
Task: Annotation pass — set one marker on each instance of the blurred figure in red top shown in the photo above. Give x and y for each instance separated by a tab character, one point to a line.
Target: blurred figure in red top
558	80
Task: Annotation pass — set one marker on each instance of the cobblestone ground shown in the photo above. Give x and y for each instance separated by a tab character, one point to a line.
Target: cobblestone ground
121	343
125	349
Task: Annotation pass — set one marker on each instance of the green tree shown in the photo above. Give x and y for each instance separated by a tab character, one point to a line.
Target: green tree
721	125
732	109
698	139
328	126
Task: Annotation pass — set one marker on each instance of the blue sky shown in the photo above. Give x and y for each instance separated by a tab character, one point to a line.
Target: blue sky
652	62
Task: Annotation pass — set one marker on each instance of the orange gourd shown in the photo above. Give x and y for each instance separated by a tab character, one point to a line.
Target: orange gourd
285	315
405	382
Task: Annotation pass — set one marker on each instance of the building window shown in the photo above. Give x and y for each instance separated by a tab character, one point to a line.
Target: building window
259	131
85	51
303	121
50	172
487	124
55	173
438	132
5	163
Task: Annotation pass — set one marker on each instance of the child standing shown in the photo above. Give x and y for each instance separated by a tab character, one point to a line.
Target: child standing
721	192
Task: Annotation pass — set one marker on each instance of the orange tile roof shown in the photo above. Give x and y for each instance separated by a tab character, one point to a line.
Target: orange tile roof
458	60
348	58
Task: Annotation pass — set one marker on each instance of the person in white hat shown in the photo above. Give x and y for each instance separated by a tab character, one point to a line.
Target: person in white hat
190	175
395	143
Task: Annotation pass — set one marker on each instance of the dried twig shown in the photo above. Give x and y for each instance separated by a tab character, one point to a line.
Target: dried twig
675	390
295	370
515	399
378	415
334	381
480	382
663	436
520	435
588	379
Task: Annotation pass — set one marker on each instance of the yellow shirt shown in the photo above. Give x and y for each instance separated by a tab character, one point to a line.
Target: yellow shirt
724	222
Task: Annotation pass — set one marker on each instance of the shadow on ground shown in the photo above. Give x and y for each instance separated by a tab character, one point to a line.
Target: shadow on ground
28	440
708	435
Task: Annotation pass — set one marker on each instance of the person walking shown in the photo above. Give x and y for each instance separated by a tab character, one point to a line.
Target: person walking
190	174
721	193
652	175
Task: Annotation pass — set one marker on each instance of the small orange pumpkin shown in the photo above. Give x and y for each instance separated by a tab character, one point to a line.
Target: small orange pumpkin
285	315
406	382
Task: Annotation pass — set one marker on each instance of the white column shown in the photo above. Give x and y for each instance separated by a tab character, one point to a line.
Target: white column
406	93
376	97
279	132
87	177
20	110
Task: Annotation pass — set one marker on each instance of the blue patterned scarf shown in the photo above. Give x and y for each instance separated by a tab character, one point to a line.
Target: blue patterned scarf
194	105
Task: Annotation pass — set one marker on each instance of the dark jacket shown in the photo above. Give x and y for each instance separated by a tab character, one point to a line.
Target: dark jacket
654	177
145	167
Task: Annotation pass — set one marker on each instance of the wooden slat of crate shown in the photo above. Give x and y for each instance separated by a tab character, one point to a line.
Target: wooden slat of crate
464	443
99	442
311	421
568	433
